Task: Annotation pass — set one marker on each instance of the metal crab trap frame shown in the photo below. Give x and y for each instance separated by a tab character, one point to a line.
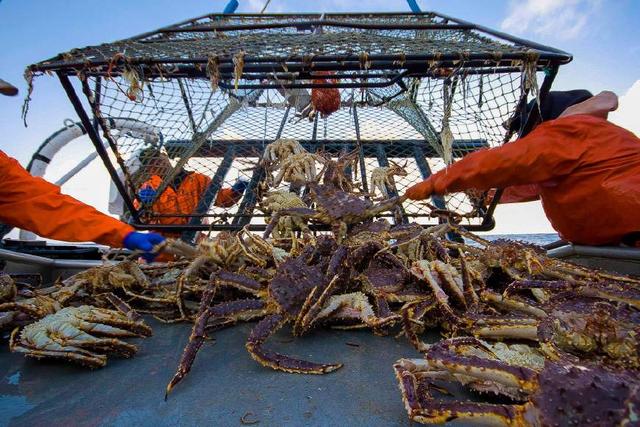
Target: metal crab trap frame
210	94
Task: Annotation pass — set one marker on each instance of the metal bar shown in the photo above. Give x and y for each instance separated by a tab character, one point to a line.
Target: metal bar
185	99
249	200
312	148
403	148
363	166
316	85
505	36
212	190
106	125
280	78
425	171
98	144
30	259
170	228
384	162
315	23
77	168
297	62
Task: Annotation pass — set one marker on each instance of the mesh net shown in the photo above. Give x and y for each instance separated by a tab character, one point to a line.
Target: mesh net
221	136
189	110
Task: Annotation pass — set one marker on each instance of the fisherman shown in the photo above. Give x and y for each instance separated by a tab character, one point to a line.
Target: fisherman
584	169
183	195
36	205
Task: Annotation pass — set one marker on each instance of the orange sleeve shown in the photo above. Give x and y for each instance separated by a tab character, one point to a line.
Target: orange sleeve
553	149
520	193
36	205
224	198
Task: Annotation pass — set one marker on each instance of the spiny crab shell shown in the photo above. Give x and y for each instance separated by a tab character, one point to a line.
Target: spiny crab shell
293	283
8	289
558	394
592	328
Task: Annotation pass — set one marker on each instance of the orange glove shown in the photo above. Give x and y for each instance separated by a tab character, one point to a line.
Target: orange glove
420	191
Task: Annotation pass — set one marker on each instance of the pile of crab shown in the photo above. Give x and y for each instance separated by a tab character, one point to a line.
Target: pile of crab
558	342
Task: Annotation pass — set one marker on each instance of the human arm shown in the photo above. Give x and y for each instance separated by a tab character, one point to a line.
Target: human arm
553	149
36	205
516	194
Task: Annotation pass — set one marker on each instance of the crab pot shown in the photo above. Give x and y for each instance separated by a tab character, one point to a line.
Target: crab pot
210	94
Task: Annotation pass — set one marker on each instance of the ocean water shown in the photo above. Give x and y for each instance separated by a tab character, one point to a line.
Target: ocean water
537	239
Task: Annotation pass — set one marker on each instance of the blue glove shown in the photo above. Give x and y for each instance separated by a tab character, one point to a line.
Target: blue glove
143	242
147	194
240	186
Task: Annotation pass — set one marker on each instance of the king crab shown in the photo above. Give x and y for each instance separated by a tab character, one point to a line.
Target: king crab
558	394
335	207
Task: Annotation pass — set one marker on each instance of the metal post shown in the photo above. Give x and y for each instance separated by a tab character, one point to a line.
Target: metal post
185	99
249	200
97	142
425	171
363	166
381	154
209	195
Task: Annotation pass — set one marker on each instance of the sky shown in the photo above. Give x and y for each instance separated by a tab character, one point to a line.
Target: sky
602	36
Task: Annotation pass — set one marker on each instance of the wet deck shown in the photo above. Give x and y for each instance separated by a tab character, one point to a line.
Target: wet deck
224	385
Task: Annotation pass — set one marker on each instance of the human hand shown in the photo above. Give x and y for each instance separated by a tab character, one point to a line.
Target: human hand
147	194
144	242
419	191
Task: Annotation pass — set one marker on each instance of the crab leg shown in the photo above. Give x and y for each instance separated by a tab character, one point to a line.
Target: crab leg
470	296
423	408
229	313
498	327
422	270
411	315
237	281
511	304
196	339
122	306
262	331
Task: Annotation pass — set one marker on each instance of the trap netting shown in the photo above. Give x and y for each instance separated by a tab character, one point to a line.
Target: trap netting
393	125
208	96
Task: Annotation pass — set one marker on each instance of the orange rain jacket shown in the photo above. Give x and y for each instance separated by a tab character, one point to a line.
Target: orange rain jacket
227	197
585	170
36	205
181	200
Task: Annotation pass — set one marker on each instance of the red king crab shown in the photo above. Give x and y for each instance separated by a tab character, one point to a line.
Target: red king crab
79	334
335	207
382	178
297	290
558	394
304	291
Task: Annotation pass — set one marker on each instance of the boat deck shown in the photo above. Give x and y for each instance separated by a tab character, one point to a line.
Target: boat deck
224	385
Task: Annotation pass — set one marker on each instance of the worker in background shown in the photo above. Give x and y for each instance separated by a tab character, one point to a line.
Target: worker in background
229	196
183	195
584	169
36	205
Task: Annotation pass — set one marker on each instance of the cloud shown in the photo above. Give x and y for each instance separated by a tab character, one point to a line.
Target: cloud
560	18
628	110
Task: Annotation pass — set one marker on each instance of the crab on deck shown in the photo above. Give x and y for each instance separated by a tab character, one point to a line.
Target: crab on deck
558	394
296	293
79	334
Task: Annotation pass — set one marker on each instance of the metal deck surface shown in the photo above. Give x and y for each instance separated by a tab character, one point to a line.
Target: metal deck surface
224	385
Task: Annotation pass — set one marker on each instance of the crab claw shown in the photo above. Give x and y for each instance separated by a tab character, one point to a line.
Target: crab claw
262	331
